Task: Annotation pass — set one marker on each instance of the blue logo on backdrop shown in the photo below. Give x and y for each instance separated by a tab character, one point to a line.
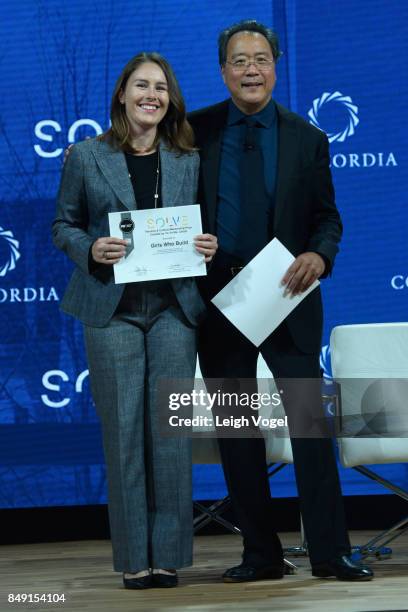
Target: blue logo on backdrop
325	361
9	252
337	116
9	255
349	114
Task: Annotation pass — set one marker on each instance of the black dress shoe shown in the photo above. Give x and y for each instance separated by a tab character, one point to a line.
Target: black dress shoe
165	581
144	582
247	573
344	568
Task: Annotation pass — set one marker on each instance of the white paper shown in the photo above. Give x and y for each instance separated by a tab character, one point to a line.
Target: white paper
160	244
253	300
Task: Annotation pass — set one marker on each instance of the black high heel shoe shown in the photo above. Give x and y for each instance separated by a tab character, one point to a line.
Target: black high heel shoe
164	581
143	582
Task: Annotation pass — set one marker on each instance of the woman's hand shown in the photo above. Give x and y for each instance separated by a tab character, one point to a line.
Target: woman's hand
207	245
108	250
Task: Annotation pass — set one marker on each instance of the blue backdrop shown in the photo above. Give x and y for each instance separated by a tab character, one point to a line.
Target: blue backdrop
343	68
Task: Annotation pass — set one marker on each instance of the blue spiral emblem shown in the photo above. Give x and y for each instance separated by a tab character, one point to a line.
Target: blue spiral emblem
347	102
325	361
14	254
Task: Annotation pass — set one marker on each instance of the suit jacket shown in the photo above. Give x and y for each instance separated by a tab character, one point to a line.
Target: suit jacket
96	181
305	214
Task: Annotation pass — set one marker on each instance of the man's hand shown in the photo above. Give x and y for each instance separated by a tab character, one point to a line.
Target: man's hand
108	250
306	268
207	245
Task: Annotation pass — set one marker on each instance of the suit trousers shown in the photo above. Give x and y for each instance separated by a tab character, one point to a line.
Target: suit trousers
149	476
225	353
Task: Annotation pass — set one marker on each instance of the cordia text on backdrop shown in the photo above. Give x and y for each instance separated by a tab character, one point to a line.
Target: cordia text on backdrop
399	281
362	160
47	130
28	294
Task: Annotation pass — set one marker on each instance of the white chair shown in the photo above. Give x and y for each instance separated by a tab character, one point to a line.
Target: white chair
370	363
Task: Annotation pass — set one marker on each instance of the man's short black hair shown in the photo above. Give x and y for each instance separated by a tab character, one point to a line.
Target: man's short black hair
247	25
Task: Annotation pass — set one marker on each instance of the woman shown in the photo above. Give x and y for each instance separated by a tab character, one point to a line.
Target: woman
138	332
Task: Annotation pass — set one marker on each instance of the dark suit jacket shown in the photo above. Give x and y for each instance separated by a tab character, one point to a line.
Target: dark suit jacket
95	181
305	215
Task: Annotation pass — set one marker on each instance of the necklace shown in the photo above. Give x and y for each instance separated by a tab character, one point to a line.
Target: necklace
156	189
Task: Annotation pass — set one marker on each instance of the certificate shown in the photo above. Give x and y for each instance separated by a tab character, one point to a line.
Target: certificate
160	243
254	300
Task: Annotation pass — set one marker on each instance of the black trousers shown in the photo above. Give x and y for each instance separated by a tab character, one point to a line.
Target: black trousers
225	353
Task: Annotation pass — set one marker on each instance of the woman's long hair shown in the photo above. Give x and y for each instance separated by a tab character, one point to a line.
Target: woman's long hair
174	128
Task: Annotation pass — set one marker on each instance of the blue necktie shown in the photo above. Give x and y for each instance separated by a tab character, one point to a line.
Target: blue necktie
255	201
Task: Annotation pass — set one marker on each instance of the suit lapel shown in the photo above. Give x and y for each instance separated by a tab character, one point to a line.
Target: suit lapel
113	166
173	168
210	170
210	155
287	159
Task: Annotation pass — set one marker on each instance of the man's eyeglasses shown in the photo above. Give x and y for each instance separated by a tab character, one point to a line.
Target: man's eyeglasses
262	63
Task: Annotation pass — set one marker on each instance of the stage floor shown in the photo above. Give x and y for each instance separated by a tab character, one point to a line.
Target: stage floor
82	572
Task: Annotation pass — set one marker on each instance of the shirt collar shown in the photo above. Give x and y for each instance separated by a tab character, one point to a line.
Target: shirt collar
266	117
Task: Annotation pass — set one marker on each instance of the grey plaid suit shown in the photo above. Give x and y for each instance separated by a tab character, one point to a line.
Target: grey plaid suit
95	181
130	343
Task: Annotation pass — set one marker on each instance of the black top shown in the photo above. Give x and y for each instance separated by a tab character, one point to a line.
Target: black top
143	174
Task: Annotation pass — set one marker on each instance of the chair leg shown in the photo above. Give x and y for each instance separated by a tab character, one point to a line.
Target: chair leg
386	483
377	546
207	513
302	549
214	516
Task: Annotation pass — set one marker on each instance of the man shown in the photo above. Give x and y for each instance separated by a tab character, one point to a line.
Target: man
264	174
